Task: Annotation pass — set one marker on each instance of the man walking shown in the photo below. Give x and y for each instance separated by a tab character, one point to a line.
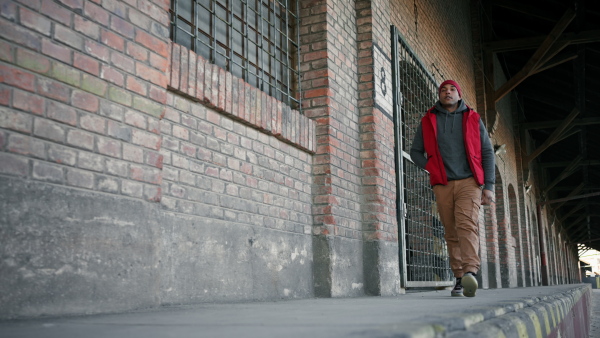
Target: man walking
460	161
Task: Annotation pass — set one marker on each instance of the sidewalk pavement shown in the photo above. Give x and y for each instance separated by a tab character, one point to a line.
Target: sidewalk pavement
415	314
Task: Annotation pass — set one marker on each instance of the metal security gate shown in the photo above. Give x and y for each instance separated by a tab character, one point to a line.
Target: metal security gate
423	252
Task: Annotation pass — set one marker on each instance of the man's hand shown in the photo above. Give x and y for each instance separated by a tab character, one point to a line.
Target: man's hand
487	197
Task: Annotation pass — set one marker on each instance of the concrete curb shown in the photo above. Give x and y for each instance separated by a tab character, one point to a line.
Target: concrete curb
565	312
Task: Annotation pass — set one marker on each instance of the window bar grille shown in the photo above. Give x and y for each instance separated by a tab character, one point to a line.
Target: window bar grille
252	39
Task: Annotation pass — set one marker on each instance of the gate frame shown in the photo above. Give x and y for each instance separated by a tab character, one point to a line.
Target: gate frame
399	155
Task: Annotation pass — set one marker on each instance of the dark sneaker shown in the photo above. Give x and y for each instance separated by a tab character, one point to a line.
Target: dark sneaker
469	284
458	289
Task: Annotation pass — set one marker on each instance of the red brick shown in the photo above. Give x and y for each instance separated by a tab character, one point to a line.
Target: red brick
56	12
68	37
15	120
235	96
154	159
24	145
222	93
192	70
145	174
85	101
155	12
181	132
93	123
133	189
80	139
96	13
139	19
123	27
74	4
97	50
241	99
151	75
33	61
175	66
122	62
252	105
35	21
62	155
9	10
6	51
86	64
214	99
17	78
316	93
19	35
86	27
116	8
133	154
208	87
48	130
47	172
113	75
53	89
247	101
136	85
117	168
158	94
145	139
108	147
135	119
185	70
29	102
5	96
200	66
119	130
112	40
152	43
61	112
56	51
14	165
80	178
159	62
136	51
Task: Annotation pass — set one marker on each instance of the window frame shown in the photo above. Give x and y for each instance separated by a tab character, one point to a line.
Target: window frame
265	61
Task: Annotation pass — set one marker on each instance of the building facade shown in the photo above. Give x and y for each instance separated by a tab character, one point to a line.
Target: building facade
255	158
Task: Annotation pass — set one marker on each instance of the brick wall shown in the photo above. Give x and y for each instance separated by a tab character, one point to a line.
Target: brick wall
128	160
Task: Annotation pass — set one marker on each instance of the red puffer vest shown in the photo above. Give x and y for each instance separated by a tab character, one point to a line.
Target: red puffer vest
471	136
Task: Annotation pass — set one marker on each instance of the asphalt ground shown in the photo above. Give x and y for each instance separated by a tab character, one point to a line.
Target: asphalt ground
414	314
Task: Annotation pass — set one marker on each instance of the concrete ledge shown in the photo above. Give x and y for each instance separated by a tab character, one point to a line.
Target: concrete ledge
564	314
560	314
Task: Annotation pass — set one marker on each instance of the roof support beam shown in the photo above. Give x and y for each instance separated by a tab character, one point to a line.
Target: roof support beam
589	240
570	170
539	54
571	194
547	64
556	135
571	198
553	124
571	212
533	42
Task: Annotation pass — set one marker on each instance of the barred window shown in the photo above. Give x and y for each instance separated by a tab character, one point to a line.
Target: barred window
256	40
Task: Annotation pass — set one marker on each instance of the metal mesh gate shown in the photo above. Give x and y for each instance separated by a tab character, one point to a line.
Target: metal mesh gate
423	253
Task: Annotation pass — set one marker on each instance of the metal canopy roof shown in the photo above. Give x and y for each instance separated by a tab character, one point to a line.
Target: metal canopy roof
550	55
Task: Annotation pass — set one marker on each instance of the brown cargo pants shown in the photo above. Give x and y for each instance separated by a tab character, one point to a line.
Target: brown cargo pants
458	204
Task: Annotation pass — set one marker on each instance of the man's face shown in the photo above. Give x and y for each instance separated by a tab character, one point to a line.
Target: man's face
449	95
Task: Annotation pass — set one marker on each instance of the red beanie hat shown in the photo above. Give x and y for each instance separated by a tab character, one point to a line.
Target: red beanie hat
452	82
